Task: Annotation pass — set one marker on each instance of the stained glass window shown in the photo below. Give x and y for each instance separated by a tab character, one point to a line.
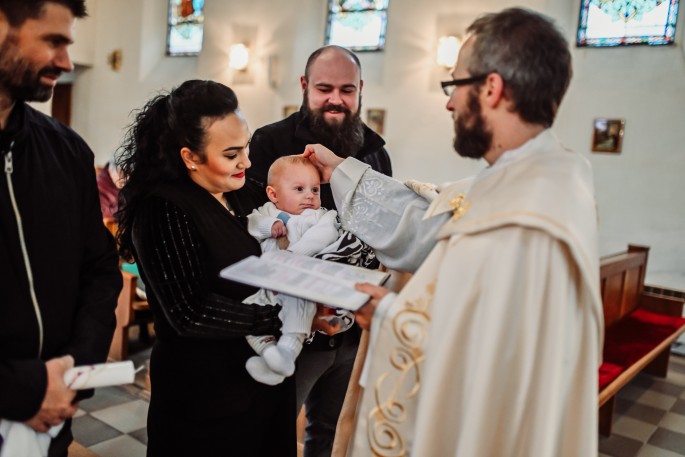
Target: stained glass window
358	25
627	22
184	32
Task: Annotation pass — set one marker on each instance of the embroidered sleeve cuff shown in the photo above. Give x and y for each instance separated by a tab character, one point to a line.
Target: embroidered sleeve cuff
284	217
345	178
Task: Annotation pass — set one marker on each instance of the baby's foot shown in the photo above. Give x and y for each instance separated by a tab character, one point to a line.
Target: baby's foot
261	372
279	359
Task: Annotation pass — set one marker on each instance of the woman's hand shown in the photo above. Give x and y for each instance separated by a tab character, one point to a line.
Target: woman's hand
364	314
323	159
323	322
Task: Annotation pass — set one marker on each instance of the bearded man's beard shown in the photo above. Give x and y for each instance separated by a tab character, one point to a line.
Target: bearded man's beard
473	141
20	80
345	138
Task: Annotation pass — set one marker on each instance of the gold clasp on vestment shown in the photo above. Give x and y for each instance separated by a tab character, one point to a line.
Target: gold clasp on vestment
459	206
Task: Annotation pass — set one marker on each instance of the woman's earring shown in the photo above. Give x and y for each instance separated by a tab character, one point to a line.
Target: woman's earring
193	168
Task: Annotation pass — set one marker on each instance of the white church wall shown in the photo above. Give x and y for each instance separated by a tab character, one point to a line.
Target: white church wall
638	191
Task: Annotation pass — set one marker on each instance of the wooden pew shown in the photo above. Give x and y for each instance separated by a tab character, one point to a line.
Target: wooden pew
640	327
130	311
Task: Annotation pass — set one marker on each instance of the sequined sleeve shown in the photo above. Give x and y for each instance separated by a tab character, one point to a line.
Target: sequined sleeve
169	253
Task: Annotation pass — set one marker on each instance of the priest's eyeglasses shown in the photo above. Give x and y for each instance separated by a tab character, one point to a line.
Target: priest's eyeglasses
449	86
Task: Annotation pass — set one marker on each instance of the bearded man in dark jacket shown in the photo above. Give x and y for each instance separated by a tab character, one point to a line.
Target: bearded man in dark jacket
330	115
59	276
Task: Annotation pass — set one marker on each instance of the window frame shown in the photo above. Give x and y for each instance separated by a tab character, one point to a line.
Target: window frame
666	39
383	14
171	25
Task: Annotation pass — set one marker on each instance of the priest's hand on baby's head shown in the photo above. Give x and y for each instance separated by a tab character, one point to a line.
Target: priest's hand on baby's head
323	159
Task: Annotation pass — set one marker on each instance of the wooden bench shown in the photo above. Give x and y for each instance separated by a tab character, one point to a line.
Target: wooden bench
130	311
640	327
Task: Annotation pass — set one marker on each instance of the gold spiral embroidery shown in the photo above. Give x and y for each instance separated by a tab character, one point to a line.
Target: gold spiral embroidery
400	385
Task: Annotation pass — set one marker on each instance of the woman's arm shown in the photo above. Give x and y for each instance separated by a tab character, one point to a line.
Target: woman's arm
170	255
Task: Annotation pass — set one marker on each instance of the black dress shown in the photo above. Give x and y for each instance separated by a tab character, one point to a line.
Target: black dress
203	401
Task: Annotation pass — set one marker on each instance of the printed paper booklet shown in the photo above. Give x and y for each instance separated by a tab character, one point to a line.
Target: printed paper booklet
321	281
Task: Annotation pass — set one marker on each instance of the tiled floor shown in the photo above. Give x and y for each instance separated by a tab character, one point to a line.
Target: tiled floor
649	419
113	423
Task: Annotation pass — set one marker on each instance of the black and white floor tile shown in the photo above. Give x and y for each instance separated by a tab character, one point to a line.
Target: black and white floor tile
649	420
113	423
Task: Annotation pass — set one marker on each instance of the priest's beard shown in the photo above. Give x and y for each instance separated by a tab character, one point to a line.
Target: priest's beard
473	141
345	138
20	78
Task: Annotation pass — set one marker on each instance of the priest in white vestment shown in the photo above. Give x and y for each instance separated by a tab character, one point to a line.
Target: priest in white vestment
492	348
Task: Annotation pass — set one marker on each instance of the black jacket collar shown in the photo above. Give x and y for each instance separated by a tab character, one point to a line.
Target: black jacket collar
15	128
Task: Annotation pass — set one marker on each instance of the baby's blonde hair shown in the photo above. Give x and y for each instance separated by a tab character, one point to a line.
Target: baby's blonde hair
281	163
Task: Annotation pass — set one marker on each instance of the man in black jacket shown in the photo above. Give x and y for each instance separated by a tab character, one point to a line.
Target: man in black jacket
330	115
59	276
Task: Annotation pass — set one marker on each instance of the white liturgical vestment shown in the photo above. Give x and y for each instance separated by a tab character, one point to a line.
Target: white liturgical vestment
492	348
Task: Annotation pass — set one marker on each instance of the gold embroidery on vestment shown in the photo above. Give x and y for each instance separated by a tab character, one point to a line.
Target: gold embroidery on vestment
403	381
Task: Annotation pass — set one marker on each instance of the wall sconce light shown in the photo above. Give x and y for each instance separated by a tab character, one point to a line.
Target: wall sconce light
239	57
114	59
448	49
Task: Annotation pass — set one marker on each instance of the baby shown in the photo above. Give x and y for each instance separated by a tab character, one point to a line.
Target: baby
294	212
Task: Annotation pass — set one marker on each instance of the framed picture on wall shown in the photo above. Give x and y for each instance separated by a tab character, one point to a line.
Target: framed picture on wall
290	109
375	119
607	135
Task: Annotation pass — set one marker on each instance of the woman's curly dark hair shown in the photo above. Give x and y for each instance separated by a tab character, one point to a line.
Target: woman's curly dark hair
150	152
